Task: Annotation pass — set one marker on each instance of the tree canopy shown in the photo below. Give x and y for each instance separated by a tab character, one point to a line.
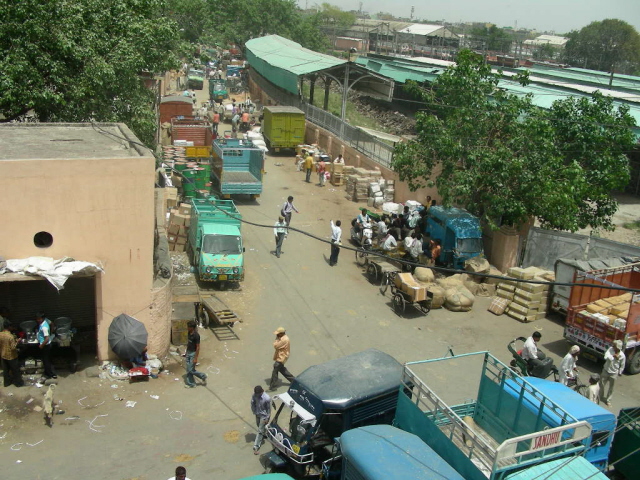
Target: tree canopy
506	160
83	60
493	38
606	45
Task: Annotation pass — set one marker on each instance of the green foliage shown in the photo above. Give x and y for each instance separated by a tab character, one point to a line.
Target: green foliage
333	16
605	45
506	160
82	60
236	21
544	52
493	38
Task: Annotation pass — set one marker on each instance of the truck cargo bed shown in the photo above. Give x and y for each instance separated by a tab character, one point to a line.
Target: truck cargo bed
239	177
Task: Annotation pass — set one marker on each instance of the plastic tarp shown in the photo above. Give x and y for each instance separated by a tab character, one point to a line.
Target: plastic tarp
55	271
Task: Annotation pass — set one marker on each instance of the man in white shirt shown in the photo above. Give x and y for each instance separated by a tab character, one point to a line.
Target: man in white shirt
532	355
389	243
568	366
336	235
280	231
181	474
593	392
382	230
339	160
614	362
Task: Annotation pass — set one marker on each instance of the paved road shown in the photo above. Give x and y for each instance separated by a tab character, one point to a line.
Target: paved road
327	311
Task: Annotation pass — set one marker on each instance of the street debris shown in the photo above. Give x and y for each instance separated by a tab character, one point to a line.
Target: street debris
88	406
130	403
175	415
94	427
155	397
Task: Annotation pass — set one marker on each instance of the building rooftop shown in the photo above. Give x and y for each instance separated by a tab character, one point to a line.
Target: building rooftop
48	141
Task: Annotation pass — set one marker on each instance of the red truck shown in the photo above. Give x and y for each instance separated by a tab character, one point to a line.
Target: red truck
597	316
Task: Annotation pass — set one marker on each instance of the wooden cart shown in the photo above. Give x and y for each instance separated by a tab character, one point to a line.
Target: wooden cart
213	311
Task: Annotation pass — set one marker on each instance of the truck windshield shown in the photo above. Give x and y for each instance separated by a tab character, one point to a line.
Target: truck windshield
469	245
222	244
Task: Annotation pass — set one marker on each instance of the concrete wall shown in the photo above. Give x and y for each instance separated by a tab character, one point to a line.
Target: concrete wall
98	210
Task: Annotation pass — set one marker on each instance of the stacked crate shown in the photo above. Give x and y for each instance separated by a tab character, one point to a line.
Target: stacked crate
527	301
178	229
337	174
357	188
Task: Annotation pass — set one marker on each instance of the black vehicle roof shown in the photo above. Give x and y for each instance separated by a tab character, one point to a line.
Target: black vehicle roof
348	380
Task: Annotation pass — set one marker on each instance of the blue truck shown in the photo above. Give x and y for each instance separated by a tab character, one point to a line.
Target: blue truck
459	233
508	428
215	240
237	167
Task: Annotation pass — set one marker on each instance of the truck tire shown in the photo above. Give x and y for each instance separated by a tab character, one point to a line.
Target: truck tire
633	363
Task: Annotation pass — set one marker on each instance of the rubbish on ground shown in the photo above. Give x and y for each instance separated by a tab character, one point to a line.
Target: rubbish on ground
92	426
39	385
18	461
114	386
34	444
59	412
29	401
37	408
88	406
155	397
117	398
13	447
130	403
75	417
175	415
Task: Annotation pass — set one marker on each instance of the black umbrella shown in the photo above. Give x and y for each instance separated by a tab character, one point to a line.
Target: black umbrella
127	336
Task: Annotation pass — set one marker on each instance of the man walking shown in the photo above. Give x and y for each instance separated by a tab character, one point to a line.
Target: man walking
281	355
322	169
261	408
280	231
9	356
287	209
614	362
336	235
308	166
45	337
193	351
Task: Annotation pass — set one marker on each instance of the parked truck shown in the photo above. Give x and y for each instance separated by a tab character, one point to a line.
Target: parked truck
501	425
195	79
218	90
600	313
459	234
283	127
237	167
215	240
565	270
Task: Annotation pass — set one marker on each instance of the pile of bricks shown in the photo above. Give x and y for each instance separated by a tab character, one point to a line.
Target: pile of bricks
527	301
178	229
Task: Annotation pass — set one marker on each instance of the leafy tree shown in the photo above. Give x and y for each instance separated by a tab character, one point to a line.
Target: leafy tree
82	60
335	17
492	38
606	45
506	160
544	52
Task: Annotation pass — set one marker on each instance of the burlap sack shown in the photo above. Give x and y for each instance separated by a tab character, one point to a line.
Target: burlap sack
472	286
438	295
450	282
477	264
423	275
458	299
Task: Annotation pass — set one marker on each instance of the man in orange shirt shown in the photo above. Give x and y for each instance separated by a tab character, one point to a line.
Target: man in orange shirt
216	121
282	349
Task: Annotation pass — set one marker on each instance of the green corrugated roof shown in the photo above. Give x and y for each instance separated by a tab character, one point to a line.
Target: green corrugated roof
291	56
400	71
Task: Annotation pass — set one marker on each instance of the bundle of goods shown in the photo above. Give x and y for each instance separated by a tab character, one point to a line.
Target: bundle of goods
525	301
178	228
381	192
612	311
358	181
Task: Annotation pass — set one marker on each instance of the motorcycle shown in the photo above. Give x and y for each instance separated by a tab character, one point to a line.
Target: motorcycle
519	365
362	235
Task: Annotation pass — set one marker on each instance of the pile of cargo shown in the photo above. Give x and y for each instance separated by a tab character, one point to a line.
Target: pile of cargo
178	228
381	192
523	301
612	311
358	183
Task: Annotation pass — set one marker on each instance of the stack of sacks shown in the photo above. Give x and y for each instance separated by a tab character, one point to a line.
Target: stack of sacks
257	139
357	188
612	311
480	265
425	277
458	298
528	301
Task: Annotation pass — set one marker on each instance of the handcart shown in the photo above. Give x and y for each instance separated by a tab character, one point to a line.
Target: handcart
400	299
212	310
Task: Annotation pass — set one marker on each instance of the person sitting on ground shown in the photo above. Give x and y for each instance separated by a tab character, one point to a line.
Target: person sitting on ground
396	227
383	228
389	243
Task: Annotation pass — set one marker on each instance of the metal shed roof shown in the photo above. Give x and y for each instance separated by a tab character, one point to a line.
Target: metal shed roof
291	56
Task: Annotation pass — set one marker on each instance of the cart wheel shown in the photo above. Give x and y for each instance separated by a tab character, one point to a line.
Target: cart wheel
398	304
204	318
361	257
372	273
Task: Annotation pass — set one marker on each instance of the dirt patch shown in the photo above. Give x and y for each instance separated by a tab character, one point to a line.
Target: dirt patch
16	407
232	436
183	457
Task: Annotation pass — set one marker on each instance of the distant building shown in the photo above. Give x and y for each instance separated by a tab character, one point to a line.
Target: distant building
530	46
347	43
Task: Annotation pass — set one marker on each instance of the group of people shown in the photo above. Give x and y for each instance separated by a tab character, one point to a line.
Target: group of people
9	344
321	167
600	386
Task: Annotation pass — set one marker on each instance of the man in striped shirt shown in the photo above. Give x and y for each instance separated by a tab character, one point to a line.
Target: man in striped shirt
280	231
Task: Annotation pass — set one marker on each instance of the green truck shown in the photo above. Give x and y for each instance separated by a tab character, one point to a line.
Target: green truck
283	127
215	240
218	90
195	79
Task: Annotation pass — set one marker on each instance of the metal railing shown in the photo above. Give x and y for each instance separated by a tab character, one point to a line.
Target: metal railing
365	143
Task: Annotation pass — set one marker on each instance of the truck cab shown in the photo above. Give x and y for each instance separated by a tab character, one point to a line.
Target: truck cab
459	234
328	399
195	79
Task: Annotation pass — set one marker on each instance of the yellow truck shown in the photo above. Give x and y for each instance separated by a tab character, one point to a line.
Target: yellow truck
283	127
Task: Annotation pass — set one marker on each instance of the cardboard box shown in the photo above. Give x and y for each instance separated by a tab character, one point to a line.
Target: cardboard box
187	221
409	285
171	202
185	209
174	230
179	247
172	239
532	287
182	230
506	287
176	219
504	294
528	296
181	240
172	247
520	273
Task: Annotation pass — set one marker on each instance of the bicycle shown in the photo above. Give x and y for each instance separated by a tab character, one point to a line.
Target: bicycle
575	384
388	278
